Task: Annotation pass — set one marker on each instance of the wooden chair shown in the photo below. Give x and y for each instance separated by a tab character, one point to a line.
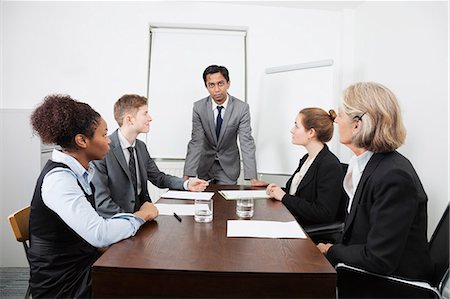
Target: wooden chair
19	222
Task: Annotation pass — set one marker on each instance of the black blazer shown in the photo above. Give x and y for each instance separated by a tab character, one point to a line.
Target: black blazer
386	230
317	199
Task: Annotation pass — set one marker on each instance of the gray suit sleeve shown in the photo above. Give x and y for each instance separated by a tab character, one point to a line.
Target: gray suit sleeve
105	205
195	145
161	179
247	145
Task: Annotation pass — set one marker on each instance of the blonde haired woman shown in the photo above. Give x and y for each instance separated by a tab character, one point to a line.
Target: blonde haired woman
386	229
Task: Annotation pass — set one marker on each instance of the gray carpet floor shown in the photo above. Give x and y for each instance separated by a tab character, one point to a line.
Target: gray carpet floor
13	282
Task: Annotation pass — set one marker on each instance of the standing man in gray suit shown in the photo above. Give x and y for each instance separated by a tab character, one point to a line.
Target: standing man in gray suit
120	179
217	121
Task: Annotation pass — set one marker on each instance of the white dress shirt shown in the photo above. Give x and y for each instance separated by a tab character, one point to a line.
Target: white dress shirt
125	144
296	180
62	194
356	166
216	111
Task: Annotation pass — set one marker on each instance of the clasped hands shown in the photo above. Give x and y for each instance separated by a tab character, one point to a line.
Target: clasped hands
275	191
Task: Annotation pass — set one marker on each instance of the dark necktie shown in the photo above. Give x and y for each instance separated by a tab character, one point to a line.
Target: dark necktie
132	167
219	121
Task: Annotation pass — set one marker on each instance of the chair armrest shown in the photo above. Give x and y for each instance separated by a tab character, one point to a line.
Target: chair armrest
325	233
353	282
330	227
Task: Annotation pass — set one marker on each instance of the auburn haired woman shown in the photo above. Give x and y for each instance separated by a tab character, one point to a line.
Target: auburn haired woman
314	192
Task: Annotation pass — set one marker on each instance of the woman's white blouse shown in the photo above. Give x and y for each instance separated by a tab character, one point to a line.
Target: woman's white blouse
296	180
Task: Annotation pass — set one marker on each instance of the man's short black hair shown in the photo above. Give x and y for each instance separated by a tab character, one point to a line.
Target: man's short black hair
212	69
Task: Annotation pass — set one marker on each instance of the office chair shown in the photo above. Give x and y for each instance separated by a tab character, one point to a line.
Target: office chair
19	222
353	282
330	232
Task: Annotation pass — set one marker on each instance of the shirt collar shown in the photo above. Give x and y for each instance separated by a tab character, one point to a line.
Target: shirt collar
362	160
124	143
224	105
74	165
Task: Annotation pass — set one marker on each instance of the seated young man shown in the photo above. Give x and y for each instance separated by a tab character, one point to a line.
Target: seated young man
120	179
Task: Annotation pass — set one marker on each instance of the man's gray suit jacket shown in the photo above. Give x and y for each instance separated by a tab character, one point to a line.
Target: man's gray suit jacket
113	186
204	148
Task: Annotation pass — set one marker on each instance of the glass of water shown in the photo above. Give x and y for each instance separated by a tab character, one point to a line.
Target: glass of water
203	210
244	208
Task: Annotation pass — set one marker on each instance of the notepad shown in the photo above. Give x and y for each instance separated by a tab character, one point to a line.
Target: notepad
187	195
169	209
241	194
264	229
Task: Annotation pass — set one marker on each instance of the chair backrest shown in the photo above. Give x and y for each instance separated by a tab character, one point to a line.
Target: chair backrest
439	248
19	222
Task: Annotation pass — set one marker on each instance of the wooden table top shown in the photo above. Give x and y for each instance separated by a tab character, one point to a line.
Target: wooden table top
167	244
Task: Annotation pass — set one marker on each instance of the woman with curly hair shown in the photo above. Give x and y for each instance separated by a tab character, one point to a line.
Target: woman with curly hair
65	229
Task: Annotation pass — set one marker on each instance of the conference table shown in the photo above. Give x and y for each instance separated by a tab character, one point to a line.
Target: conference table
172	259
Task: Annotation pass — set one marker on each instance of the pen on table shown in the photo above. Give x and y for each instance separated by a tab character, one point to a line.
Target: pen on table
176	216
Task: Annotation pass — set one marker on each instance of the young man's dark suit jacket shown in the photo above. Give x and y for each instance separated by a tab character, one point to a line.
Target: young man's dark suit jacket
319	194
386	230
114	192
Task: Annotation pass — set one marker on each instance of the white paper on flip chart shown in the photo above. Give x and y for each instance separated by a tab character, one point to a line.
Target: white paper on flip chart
264	229
169	209
239	194
188	195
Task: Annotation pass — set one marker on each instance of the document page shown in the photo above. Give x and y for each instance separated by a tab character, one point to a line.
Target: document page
187	195
264	229
240	194
169	209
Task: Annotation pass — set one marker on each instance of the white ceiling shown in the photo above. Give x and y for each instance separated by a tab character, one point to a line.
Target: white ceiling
323	5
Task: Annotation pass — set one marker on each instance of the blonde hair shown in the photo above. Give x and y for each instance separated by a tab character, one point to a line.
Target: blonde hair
320	120
381	128
129	103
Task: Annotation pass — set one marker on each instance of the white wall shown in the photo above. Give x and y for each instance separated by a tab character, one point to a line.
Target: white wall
20	162
404	45
2	173
98	51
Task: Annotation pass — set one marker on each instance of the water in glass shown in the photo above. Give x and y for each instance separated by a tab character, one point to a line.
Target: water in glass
203	210
244	208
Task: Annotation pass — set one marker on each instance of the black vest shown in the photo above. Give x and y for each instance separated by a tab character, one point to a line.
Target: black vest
60	260
46	224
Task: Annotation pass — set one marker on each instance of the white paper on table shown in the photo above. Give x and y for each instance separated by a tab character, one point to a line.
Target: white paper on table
240	194
187	195
169	209
264	229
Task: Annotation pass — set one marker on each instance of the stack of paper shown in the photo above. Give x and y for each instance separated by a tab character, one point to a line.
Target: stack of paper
264	229
187	195
241	194
169	209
